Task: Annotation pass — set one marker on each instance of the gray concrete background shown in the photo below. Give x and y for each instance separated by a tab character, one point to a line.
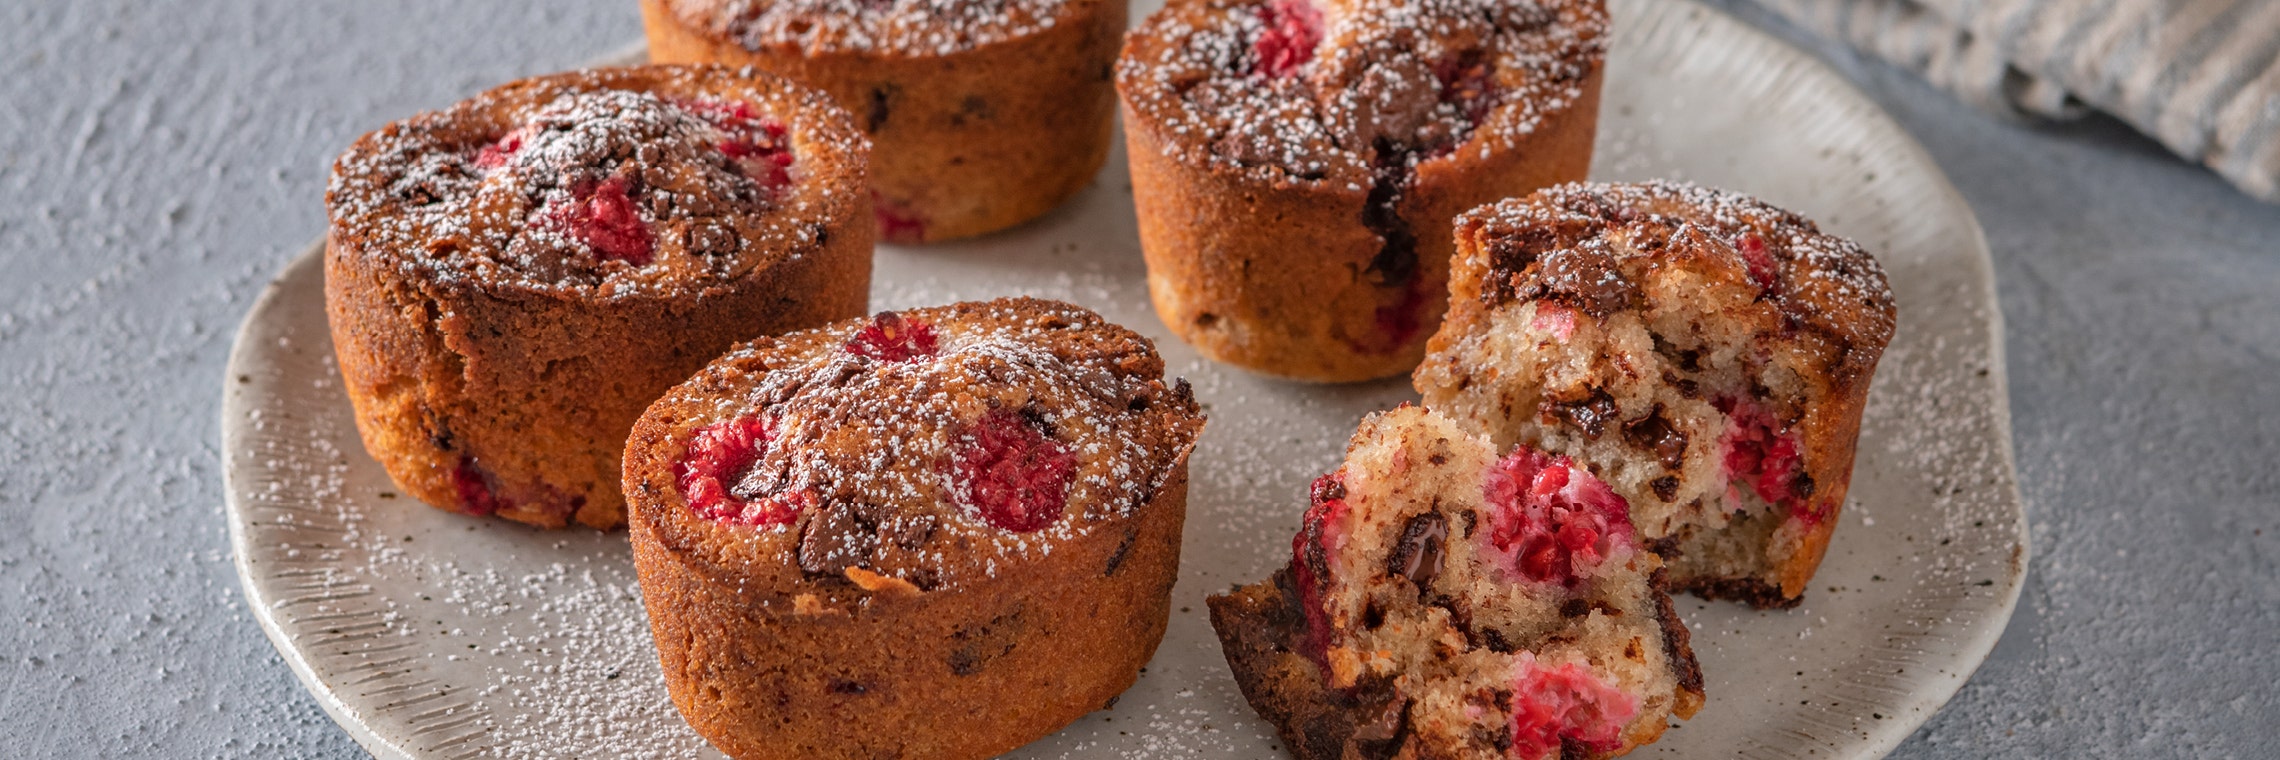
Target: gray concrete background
159	161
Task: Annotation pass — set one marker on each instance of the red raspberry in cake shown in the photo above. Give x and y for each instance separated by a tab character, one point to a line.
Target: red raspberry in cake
1468	84
892	338
477	488
758	146
1400	628
1309	564
1760	264
1706	355
605	217
1558	522
1292	29
496	154
1758	455
1552	706
1011	474
718	456
897	222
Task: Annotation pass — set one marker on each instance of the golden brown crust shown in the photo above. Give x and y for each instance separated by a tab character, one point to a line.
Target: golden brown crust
1283	258
970	674
467	373
970	139
952	637
1258	626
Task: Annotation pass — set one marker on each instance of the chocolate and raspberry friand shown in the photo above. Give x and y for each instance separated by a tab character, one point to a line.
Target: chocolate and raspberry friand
1296	163
1443	601
512	280
985	113
1707	353
935	533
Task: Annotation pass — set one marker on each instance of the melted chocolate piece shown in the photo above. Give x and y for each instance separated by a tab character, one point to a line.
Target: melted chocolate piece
835	539
1654	433
1590	414
1586	278
1418	555
1396	262
1666	487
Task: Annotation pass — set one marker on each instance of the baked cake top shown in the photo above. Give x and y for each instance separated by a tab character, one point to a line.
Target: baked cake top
931	446
1595	247
609	183
1326	91
909	27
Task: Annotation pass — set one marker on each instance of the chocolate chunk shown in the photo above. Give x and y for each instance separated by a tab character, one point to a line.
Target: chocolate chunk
1666	487
1656	434
878	115
1123	547
1589	414
1381	738
1495	641
835	539
1396	261
1418	555
978	645
1586	277
908	531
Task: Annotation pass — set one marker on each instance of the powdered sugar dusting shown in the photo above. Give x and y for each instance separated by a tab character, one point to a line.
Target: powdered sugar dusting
612	183
1391	81
889	441
913	27
1817	278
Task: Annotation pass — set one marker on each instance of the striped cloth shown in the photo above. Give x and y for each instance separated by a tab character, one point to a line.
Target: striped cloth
2201	76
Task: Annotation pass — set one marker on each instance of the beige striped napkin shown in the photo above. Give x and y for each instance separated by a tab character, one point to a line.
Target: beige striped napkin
2201	76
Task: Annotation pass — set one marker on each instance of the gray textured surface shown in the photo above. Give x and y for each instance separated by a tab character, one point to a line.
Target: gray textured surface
158	163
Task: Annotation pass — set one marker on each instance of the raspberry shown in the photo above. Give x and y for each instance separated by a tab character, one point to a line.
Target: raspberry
717	453
891	338
478	489
1293	29
897	222
1310	563
1554	521
604	216
1011	474
1400	321
496	154
757	147
1759	456
1468	82
1554	318
1565	702
1760	263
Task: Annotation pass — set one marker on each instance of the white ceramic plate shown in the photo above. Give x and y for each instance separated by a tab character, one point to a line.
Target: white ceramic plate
430	635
